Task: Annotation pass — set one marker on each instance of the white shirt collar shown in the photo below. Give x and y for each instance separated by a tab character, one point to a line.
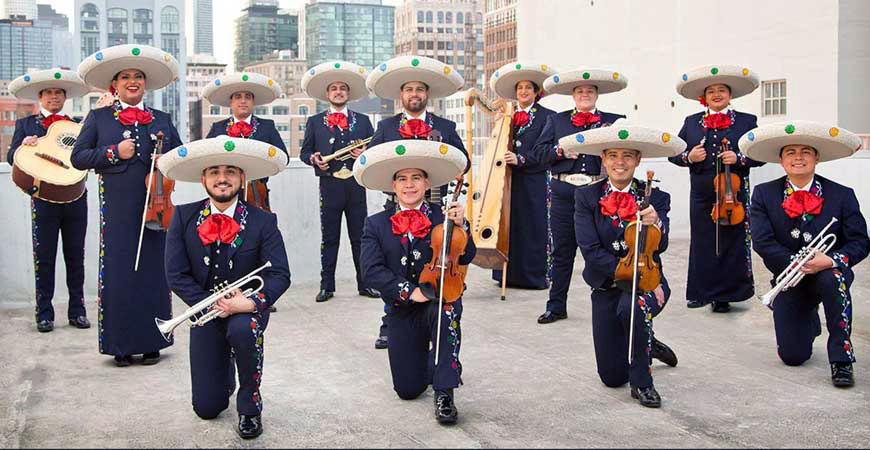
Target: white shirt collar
724	111
45	112
528	108
141	105
593	111
247	121
227	212
422	116
417	207
343	110
805	188
615	189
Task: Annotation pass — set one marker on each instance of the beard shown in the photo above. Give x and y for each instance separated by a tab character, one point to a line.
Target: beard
338	104
221	198
414	105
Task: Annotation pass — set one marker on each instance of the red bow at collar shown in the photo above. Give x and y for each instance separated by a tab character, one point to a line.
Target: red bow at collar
802	202
415	128
240	129
218	227
337	119
131	115
411	220
46	122
717	121
581	119
520	118
620	204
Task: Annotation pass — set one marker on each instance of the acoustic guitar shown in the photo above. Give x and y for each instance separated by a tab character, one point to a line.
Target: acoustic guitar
44	170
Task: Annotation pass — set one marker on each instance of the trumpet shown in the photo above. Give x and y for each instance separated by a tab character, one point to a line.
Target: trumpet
792	275
206	305
344	153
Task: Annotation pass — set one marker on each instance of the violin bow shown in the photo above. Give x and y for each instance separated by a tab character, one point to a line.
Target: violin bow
637	228
158	148
455	186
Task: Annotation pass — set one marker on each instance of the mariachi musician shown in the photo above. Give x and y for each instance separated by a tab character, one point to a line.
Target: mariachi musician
51	88
413	80
804	210
196	266
337	83
396	248
570	171
529	232
117	141
602	216
720	258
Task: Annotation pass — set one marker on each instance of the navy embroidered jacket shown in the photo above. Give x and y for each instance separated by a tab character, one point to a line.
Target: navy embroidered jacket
265	131
559	125
26	126
318	135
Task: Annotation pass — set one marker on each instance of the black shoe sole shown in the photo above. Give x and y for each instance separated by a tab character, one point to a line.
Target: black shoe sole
648	405
695	305
45	330
76	324
841	384
123	363
446	420
551	319
250	436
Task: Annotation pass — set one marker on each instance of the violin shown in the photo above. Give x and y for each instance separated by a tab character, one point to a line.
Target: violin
448	243
159	207
726	210
257	194
641	243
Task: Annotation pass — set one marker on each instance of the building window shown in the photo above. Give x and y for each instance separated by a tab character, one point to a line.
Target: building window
142	22
214	110
301	126
449	17
169	20
773	98
440	17
261	111
303	111
440	45
280	110
421	16
421	45
428	16
459	17
282	127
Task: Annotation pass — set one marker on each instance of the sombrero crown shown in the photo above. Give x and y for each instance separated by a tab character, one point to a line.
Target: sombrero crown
318	78
160	68
741	80
607	81
375	168
257	159
387	79
650	142
28	86
765	142
504	80
219	91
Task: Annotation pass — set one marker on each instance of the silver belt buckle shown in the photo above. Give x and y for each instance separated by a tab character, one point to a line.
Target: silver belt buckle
343	174
577	179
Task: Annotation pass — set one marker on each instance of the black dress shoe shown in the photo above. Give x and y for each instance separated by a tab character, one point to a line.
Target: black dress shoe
123	360
841	374
721	307
550	317
149	359
381	343
369	292
323	296
663	353
445	410
272	308
80	322
44	326
647	396
696	303
250	426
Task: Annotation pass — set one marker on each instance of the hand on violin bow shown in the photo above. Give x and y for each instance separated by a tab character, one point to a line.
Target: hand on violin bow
660	295
728	157
510	157
649	216
317	159
417	296
817	263
698	153
456	213
357	151
234	303
126	148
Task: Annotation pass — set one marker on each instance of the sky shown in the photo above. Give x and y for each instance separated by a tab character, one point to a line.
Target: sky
224	12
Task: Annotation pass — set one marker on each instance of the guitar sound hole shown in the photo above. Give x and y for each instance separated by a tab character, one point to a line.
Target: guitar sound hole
499	163
67	141
476	196
486	233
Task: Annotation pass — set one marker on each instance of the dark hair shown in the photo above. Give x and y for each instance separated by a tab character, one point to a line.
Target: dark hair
784	146
239	92
218	165
425	175
403	85
723	84
39	94
593	85
535	85
115	78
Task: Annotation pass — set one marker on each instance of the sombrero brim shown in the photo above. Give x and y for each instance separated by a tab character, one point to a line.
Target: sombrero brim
160	68
257	159
607	81
651	143
505	79
741	80
375	168
318	78
387	79
219	91
30	85
765	142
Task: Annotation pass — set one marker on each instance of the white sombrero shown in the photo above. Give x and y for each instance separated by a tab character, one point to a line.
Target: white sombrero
375	168
741	80
387	79
765	142
28	86
650	142
607	81
160	68
318	78
219	91
504	80
257	159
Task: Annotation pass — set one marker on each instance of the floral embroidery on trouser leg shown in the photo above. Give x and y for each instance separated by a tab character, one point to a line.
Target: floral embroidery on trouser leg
845	314
35	236
258	356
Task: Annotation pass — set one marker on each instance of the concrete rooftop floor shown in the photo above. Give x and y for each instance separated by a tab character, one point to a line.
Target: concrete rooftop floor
526	385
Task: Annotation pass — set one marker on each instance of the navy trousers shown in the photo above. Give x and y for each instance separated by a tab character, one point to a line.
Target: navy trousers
340	197
796	318
213	347
611	318
412	334
564	244
71	221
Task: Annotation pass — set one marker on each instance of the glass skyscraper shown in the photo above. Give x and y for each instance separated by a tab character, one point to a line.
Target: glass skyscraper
24	44
263	28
